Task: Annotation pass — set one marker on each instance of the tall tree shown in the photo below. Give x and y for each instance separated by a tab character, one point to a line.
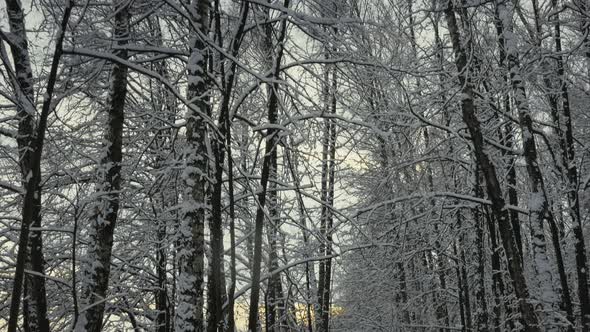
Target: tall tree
217	297
30	141
190	232
494	190
538	204
565	130
270	155
97	269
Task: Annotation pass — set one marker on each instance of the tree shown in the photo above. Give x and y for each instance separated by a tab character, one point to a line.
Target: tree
491	178
97	269
30	140
191	241
315	165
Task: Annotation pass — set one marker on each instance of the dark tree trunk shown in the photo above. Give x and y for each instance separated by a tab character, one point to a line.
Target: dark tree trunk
272	141
274	296
309	273
507	138
482	323
462	277
275	313
163	101
538	203
566	301
30	142
216	283
216	286
327	193
571	170
501	293
494	190
162	308
96	271
460	293
553	99
508	141
35	306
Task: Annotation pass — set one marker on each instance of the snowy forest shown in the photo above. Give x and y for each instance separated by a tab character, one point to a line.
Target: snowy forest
294	165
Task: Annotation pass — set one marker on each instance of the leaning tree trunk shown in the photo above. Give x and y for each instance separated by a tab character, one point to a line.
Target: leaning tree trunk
30	144
35	305
553	95
493	188
97	268
507	138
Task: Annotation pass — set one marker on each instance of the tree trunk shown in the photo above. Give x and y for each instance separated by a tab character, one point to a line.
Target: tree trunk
553	99
163	102
35	307
97	268
275	307
482	317
507	138
571	170
163	312
216	286
272	141
162	308
498	287
275	313
190	233
494	191
327	193
32	140
309	271
462	277
538	203
230	327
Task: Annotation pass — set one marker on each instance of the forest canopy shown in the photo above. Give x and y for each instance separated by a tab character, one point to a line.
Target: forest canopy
294	165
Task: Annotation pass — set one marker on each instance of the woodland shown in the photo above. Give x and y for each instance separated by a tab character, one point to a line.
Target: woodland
294	165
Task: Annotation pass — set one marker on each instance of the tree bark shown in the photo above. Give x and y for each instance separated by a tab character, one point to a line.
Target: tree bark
35	307
309	271
190	233
494	191
538	203
571	170
507	138
326	218
217	295
482	317
272	141
30	143
97	268
553	99
164	103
